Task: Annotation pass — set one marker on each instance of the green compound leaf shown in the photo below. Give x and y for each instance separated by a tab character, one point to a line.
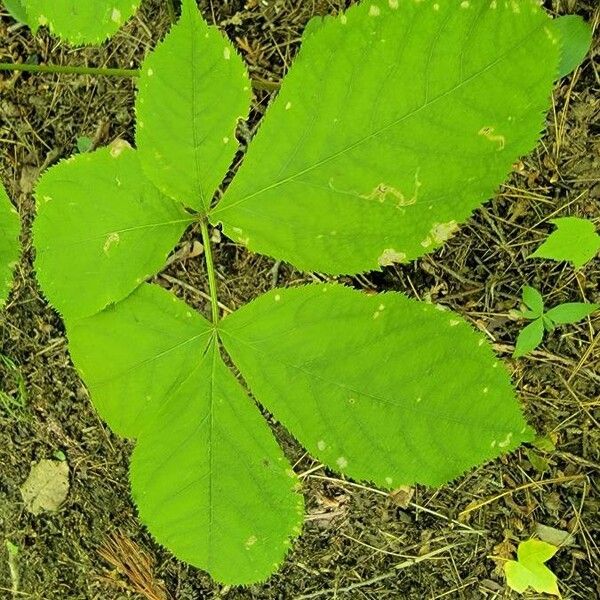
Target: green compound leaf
209	479
575	240
395	122
576	38
101	229
192	91
529	338
530	571
380	388
571	312
81	21
10	247
533	300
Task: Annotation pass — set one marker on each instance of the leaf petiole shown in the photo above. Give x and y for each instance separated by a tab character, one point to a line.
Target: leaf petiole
210	268
257	84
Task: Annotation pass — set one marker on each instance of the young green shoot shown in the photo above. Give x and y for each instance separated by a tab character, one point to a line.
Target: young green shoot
546	320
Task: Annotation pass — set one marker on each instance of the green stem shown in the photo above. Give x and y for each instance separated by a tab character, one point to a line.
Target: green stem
210	268
68	70
258	84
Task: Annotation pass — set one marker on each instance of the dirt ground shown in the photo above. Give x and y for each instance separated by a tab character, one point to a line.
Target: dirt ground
358	543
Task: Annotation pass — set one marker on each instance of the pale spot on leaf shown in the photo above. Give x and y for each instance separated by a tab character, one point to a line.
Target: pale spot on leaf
112	239
383	190
390	256
488	133
439	233
341	462
117	147
551	36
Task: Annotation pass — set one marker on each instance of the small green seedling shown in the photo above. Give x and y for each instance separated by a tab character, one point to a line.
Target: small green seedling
76	21
9	243
529	570
395	122
575	240
531	336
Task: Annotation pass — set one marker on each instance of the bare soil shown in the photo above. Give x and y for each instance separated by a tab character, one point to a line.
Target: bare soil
357	542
